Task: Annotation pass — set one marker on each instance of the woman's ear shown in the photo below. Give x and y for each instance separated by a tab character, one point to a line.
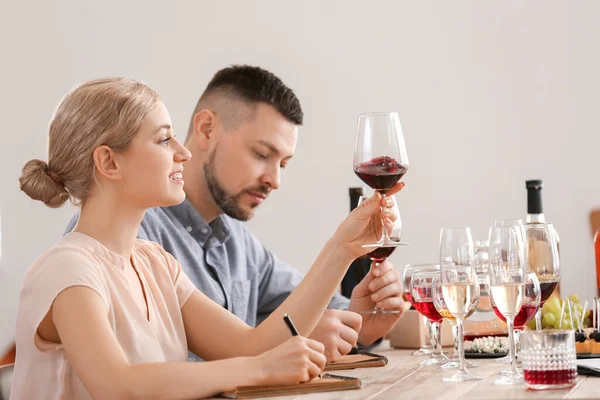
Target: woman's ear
106	163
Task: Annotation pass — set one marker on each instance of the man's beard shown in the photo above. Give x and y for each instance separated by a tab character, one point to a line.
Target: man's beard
227	202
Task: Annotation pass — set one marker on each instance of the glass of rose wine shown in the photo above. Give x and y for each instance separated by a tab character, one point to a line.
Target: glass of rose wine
421	290
409	269
380	254
380	158
508	279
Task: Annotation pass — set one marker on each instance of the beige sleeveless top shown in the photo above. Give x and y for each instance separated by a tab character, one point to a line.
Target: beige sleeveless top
41	370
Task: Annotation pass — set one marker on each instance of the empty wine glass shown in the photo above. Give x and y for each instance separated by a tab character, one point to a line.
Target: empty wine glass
507	282
380	254
460	286
380	158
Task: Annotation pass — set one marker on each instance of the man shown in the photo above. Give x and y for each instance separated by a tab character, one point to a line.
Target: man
242	133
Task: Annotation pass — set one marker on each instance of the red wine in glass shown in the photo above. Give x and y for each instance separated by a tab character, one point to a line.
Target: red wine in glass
526	314
380	173
553	377
381	253
427	309
547	288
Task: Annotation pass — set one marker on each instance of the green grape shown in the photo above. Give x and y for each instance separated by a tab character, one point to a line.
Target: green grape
574	298
549	319
546	307
554	306
531	324
587	322
566	324
556	324
579	307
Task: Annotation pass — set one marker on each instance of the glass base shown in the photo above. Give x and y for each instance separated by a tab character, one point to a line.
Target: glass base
546	386
510	380
422	352
391	243
379	311
508	371
462	376
453	364
432	361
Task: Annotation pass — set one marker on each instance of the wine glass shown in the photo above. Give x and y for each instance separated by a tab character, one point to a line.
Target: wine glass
542	259
460	286
440	305
380	254
507	283
427	348
380	158
422	299
529	308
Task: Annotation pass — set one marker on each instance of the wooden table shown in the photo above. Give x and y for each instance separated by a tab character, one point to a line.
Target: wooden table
403	378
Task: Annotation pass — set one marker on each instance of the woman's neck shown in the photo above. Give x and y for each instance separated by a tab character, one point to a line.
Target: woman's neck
111	222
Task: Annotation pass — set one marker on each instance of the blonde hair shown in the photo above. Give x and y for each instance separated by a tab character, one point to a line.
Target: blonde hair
99	112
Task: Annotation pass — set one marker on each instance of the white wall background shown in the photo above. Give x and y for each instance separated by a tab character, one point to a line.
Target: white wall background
490	94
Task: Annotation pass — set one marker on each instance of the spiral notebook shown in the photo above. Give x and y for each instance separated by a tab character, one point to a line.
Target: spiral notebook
361	360
326	383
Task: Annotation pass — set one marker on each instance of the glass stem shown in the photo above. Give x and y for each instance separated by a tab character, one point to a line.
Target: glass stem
436	339
384	234
461	354
455	337
511	344
517	333
538	319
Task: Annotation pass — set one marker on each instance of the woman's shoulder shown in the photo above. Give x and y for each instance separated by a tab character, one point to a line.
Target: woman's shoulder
72	250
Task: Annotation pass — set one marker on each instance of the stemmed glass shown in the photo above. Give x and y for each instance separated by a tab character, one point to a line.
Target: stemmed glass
507	282
440	305
543	260
380	158
421	290
529	308
460	287
380	254
427	348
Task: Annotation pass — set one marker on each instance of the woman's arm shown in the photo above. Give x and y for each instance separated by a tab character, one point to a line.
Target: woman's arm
79	316
214	333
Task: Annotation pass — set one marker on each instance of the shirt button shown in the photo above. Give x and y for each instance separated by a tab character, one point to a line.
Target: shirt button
189	229
204	230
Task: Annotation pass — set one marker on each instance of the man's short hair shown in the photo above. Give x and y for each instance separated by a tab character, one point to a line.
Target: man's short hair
234	90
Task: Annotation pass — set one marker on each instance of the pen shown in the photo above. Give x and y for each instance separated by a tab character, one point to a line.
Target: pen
290	324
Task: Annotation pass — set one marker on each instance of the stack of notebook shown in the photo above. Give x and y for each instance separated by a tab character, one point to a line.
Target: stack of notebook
324	383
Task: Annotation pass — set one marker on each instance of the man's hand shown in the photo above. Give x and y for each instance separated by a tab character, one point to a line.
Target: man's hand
381	288
338	331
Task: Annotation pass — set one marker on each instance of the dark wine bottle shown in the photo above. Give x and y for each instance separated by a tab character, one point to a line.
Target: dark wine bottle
359	267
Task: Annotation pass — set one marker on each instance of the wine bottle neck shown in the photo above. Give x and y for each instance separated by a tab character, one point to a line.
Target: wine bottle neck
536	218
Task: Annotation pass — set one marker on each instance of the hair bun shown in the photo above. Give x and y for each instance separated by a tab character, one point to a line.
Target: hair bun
39	183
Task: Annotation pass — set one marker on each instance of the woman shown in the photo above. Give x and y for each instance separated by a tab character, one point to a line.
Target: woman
104	315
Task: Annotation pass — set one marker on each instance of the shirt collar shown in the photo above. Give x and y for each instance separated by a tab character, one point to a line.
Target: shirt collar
193	222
